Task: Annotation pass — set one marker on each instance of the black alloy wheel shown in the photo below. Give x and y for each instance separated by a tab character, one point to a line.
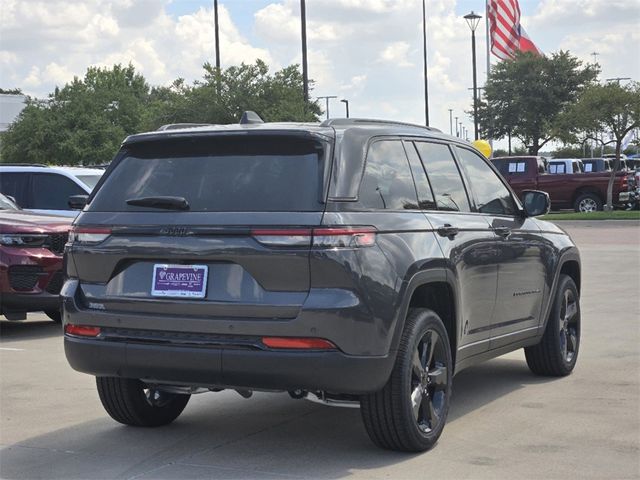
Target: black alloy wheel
557	352
410	411
429	381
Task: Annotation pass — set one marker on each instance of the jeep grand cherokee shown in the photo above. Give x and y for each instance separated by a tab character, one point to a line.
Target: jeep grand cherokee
353	260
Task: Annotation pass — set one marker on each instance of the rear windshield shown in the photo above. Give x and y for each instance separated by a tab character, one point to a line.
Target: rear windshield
223	174
89	180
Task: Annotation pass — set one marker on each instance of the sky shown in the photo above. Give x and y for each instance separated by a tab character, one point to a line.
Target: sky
366	51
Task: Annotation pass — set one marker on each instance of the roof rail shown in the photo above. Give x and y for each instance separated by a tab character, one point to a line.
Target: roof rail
24	165
250	117
339	122
177	126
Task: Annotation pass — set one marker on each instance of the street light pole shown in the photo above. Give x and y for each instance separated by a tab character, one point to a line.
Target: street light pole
217	36
305	74
450	121
424	53
457	133
346	105
472	20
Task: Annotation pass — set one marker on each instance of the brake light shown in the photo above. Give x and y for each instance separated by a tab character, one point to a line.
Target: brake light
293	343
324	237
81	330
89	235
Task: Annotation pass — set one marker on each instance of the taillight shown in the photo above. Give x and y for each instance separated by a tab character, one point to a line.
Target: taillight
283	237
81	330
297	343
344	237
89	235
323	237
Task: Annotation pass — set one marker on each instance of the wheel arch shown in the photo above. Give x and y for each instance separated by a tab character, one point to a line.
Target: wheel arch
586	189
568	264
434	290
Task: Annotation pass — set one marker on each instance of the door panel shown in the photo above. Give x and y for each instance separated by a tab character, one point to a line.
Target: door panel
472	259
521	274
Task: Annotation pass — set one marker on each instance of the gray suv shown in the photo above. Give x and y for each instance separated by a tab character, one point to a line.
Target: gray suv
353	261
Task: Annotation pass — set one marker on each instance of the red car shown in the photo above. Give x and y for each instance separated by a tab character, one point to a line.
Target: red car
31	247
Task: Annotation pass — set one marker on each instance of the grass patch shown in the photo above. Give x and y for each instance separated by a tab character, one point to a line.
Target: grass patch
615	215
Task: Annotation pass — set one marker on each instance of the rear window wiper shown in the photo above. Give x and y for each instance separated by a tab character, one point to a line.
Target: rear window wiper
167	203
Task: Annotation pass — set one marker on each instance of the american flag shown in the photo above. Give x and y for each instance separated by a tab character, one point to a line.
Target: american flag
507	35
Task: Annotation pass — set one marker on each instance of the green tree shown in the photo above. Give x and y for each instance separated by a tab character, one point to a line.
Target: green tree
85	121
82	123
525	97
222	96
610	107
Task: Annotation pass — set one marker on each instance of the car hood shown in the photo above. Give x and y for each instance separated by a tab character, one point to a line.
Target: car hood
19	221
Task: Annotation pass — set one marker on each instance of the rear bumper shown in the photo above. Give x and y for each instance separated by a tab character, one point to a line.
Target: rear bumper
219	353
28	302
229	367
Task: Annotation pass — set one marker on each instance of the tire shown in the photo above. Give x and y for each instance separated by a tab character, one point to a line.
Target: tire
389	415
130	402
587	202
557	352
55	315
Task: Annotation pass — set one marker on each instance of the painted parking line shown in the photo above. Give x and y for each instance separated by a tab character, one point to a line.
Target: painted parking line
9	349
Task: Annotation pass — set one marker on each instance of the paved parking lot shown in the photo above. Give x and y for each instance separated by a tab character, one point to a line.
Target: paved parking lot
504	422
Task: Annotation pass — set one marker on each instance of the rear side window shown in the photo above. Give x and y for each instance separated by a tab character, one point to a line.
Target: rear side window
444	177
387	183
488	190
52	192
220	174
15	185
557	168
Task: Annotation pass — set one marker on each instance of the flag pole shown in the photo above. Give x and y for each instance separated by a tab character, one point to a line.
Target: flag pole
488	48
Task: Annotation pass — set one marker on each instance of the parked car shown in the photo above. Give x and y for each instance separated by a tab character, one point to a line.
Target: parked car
584	192
624	163
592	165
565	165
359	261
31	247
42	189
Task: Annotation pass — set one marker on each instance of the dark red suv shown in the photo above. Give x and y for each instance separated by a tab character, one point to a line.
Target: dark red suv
31	247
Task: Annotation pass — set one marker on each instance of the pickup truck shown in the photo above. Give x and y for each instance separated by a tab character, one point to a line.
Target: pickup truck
584	192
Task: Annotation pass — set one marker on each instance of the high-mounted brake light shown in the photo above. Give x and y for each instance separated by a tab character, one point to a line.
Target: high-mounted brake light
296	343
89	235
322	237
81	330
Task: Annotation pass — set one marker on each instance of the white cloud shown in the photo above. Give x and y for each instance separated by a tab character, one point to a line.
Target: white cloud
368	51
46	43
396	54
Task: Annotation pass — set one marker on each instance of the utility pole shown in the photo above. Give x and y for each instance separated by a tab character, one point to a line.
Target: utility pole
216	30
451	121
595	57
305	73
424	52
326	98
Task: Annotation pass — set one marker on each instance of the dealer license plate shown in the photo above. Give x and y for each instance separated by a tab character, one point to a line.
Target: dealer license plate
186	281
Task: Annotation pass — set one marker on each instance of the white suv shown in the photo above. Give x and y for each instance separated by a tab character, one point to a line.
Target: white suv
43	189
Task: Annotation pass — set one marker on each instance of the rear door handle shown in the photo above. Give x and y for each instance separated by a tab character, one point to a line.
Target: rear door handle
448	231
502	231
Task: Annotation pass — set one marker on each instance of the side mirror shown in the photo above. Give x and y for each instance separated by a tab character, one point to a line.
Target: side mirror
535	203
77	202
